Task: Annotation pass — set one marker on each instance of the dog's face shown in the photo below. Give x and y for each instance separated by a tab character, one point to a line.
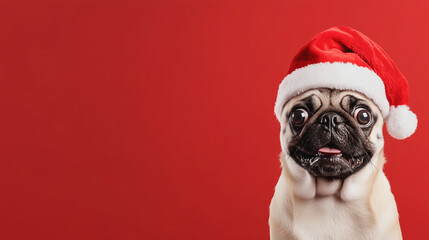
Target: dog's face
331	133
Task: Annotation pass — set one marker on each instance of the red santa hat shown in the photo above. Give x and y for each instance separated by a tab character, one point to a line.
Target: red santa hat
343	58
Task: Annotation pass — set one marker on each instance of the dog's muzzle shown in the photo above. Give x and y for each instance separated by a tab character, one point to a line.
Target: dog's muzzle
331	147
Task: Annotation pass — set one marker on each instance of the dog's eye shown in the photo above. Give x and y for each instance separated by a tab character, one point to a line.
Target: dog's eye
299	116
362	116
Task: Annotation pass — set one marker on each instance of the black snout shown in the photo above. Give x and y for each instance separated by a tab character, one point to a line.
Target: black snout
333	130
331	120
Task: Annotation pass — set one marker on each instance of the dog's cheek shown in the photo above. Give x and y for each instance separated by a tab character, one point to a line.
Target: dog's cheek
285	137
376	136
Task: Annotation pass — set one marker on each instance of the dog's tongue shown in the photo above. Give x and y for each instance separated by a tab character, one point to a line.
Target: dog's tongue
328	150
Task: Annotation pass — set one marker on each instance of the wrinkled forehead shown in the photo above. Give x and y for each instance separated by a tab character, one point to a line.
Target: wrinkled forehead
315	99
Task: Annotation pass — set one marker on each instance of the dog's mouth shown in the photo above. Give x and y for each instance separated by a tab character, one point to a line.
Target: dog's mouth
330	161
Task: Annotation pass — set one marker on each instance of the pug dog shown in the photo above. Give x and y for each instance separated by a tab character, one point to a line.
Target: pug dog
332	184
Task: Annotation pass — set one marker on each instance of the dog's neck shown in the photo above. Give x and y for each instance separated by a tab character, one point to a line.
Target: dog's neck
356	186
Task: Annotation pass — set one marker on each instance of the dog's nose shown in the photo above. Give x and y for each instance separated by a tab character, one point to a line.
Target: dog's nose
331	119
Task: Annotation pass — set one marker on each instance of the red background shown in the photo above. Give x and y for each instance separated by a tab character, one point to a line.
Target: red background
154	120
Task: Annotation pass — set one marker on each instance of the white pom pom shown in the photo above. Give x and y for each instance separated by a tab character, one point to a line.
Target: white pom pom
401	122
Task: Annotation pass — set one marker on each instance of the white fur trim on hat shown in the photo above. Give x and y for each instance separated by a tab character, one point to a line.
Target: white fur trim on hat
401	122
337	75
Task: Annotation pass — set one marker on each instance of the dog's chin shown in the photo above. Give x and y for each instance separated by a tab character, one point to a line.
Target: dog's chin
331	166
